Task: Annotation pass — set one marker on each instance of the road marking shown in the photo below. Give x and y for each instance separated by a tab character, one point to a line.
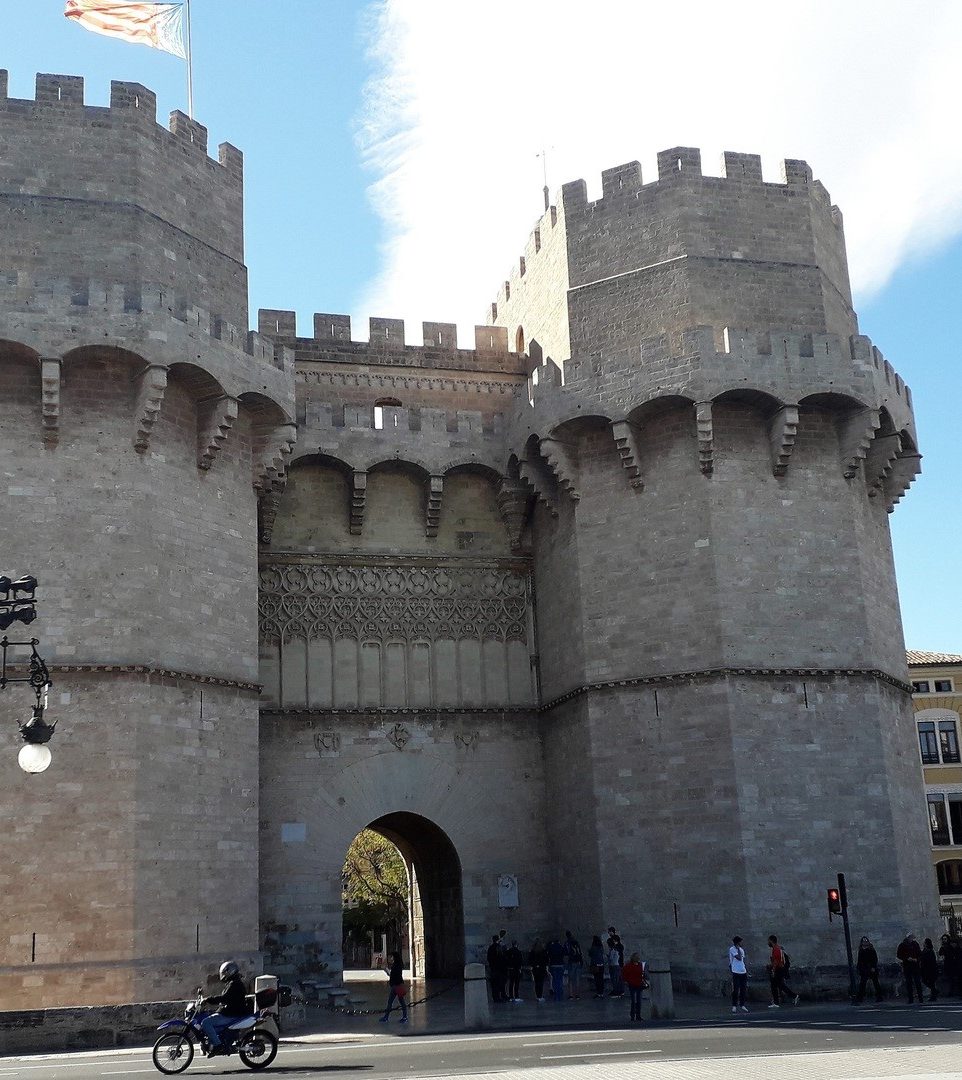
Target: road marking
605	1053
572	1042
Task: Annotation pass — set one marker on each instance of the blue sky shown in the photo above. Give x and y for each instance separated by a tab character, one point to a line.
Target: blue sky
380	138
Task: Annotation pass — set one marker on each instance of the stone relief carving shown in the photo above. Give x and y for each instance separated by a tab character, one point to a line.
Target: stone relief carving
399	736
327	742
391	602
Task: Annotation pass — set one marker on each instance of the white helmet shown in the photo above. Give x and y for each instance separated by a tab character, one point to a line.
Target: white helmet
228	970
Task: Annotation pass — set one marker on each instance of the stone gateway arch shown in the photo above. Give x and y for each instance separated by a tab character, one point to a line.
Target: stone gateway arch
613	614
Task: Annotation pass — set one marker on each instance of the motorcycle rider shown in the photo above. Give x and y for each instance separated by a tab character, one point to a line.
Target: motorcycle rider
233	1005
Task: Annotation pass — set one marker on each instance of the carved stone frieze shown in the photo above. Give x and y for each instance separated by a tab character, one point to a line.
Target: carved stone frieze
392	602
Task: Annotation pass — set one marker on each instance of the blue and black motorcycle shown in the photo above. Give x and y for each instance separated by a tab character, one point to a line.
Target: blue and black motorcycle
252	1038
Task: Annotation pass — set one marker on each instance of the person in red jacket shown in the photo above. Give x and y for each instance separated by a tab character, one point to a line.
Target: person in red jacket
778	973
909	953
633	976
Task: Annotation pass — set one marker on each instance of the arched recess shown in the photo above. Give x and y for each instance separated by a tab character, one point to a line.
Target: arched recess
313	510
20	390
471	522
436	905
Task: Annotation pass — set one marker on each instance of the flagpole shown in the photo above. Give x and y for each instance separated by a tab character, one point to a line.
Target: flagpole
190	65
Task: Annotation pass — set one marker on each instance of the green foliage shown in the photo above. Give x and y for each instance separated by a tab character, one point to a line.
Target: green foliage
374	886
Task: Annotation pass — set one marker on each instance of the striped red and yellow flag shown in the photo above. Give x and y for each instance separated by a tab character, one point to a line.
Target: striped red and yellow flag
160	26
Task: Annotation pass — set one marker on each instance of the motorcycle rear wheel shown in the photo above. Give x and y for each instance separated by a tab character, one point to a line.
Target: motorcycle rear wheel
173	1052
258	1049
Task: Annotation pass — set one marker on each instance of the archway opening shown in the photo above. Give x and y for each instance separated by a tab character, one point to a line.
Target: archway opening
411	900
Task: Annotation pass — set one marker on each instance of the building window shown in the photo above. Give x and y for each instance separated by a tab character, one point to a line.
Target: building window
938	822
943	686
928	743
938	736
950	877
948	742
920	687
379	417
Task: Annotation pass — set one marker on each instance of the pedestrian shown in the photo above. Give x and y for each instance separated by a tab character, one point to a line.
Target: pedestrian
596	960
615	953
514	960
778	965
633	974
497	973
557	960
950	950
910	955
929	969
576	963
538	959
739	971
396	989
866	964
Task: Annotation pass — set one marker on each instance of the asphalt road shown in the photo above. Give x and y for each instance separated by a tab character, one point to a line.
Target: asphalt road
889	1041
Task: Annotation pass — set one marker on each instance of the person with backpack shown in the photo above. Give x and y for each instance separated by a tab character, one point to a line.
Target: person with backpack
778	966
575	964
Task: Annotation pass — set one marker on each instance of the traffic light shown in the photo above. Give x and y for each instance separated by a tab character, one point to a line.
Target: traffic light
834	902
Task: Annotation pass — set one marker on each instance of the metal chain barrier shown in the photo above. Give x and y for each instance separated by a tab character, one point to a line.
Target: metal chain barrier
334	1008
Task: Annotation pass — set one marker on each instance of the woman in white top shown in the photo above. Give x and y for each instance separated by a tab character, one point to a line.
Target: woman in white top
736	965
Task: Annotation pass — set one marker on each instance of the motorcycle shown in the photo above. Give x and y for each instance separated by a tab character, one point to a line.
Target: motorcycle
253	1038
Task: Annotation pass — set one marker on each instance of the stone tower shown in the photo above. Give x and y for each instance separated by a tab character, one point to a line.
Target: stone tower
714	452
596	621
139	422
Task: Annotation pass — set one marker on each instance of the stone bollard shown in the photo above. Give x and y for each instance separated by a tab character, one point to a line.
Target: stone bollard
477	1013
662	995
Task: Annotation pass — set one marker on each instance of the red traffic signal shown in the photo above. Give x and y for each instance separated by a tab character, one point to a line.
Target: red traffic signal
834	902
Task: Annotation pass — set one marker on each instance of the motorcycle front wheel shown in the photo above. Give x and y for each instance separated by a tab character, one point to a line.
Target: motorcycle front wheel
258	1049
173	1052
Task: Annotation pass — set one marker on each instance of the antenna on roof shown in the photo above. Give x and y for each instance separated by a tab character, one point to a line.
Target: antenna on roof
543	154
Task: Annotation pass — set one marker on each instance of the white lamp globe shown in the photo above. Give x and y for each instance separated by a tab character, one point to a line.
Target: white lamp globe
34	757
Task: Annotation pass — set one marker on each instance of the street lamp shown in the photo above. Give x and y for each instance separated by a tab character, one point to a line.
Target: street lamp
18	604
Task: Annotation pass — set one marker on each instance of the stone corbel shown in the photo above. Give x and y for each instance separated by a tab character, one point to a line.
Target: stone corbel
358	497
535	473
705	430
50	401
563	462
151	387
432	514
881	456
216	417
905	469
268	505
513	498
626	443
855	438
272	448
782	433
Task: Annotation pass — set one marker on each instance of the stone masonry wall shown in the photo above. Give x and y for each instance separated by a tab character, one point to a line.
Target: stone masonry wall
110	195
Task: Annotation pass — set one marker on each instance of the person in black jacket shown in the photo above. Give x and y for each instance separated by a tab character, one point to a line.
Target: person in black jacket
867	966
950	950
396	989
233	1005
929	969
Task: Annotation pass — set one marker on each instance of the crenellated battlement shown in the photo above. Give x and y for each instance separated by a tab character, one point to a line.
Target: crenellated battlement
130	103
154	206
332	342
748	251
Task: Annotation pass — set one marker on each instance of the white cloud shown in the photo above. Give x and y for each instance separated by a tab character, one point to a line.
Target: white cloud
465	95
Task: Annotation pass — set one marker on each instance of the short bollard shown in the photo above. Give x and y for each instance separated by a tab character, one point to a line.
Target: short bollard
477	1014
662	995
